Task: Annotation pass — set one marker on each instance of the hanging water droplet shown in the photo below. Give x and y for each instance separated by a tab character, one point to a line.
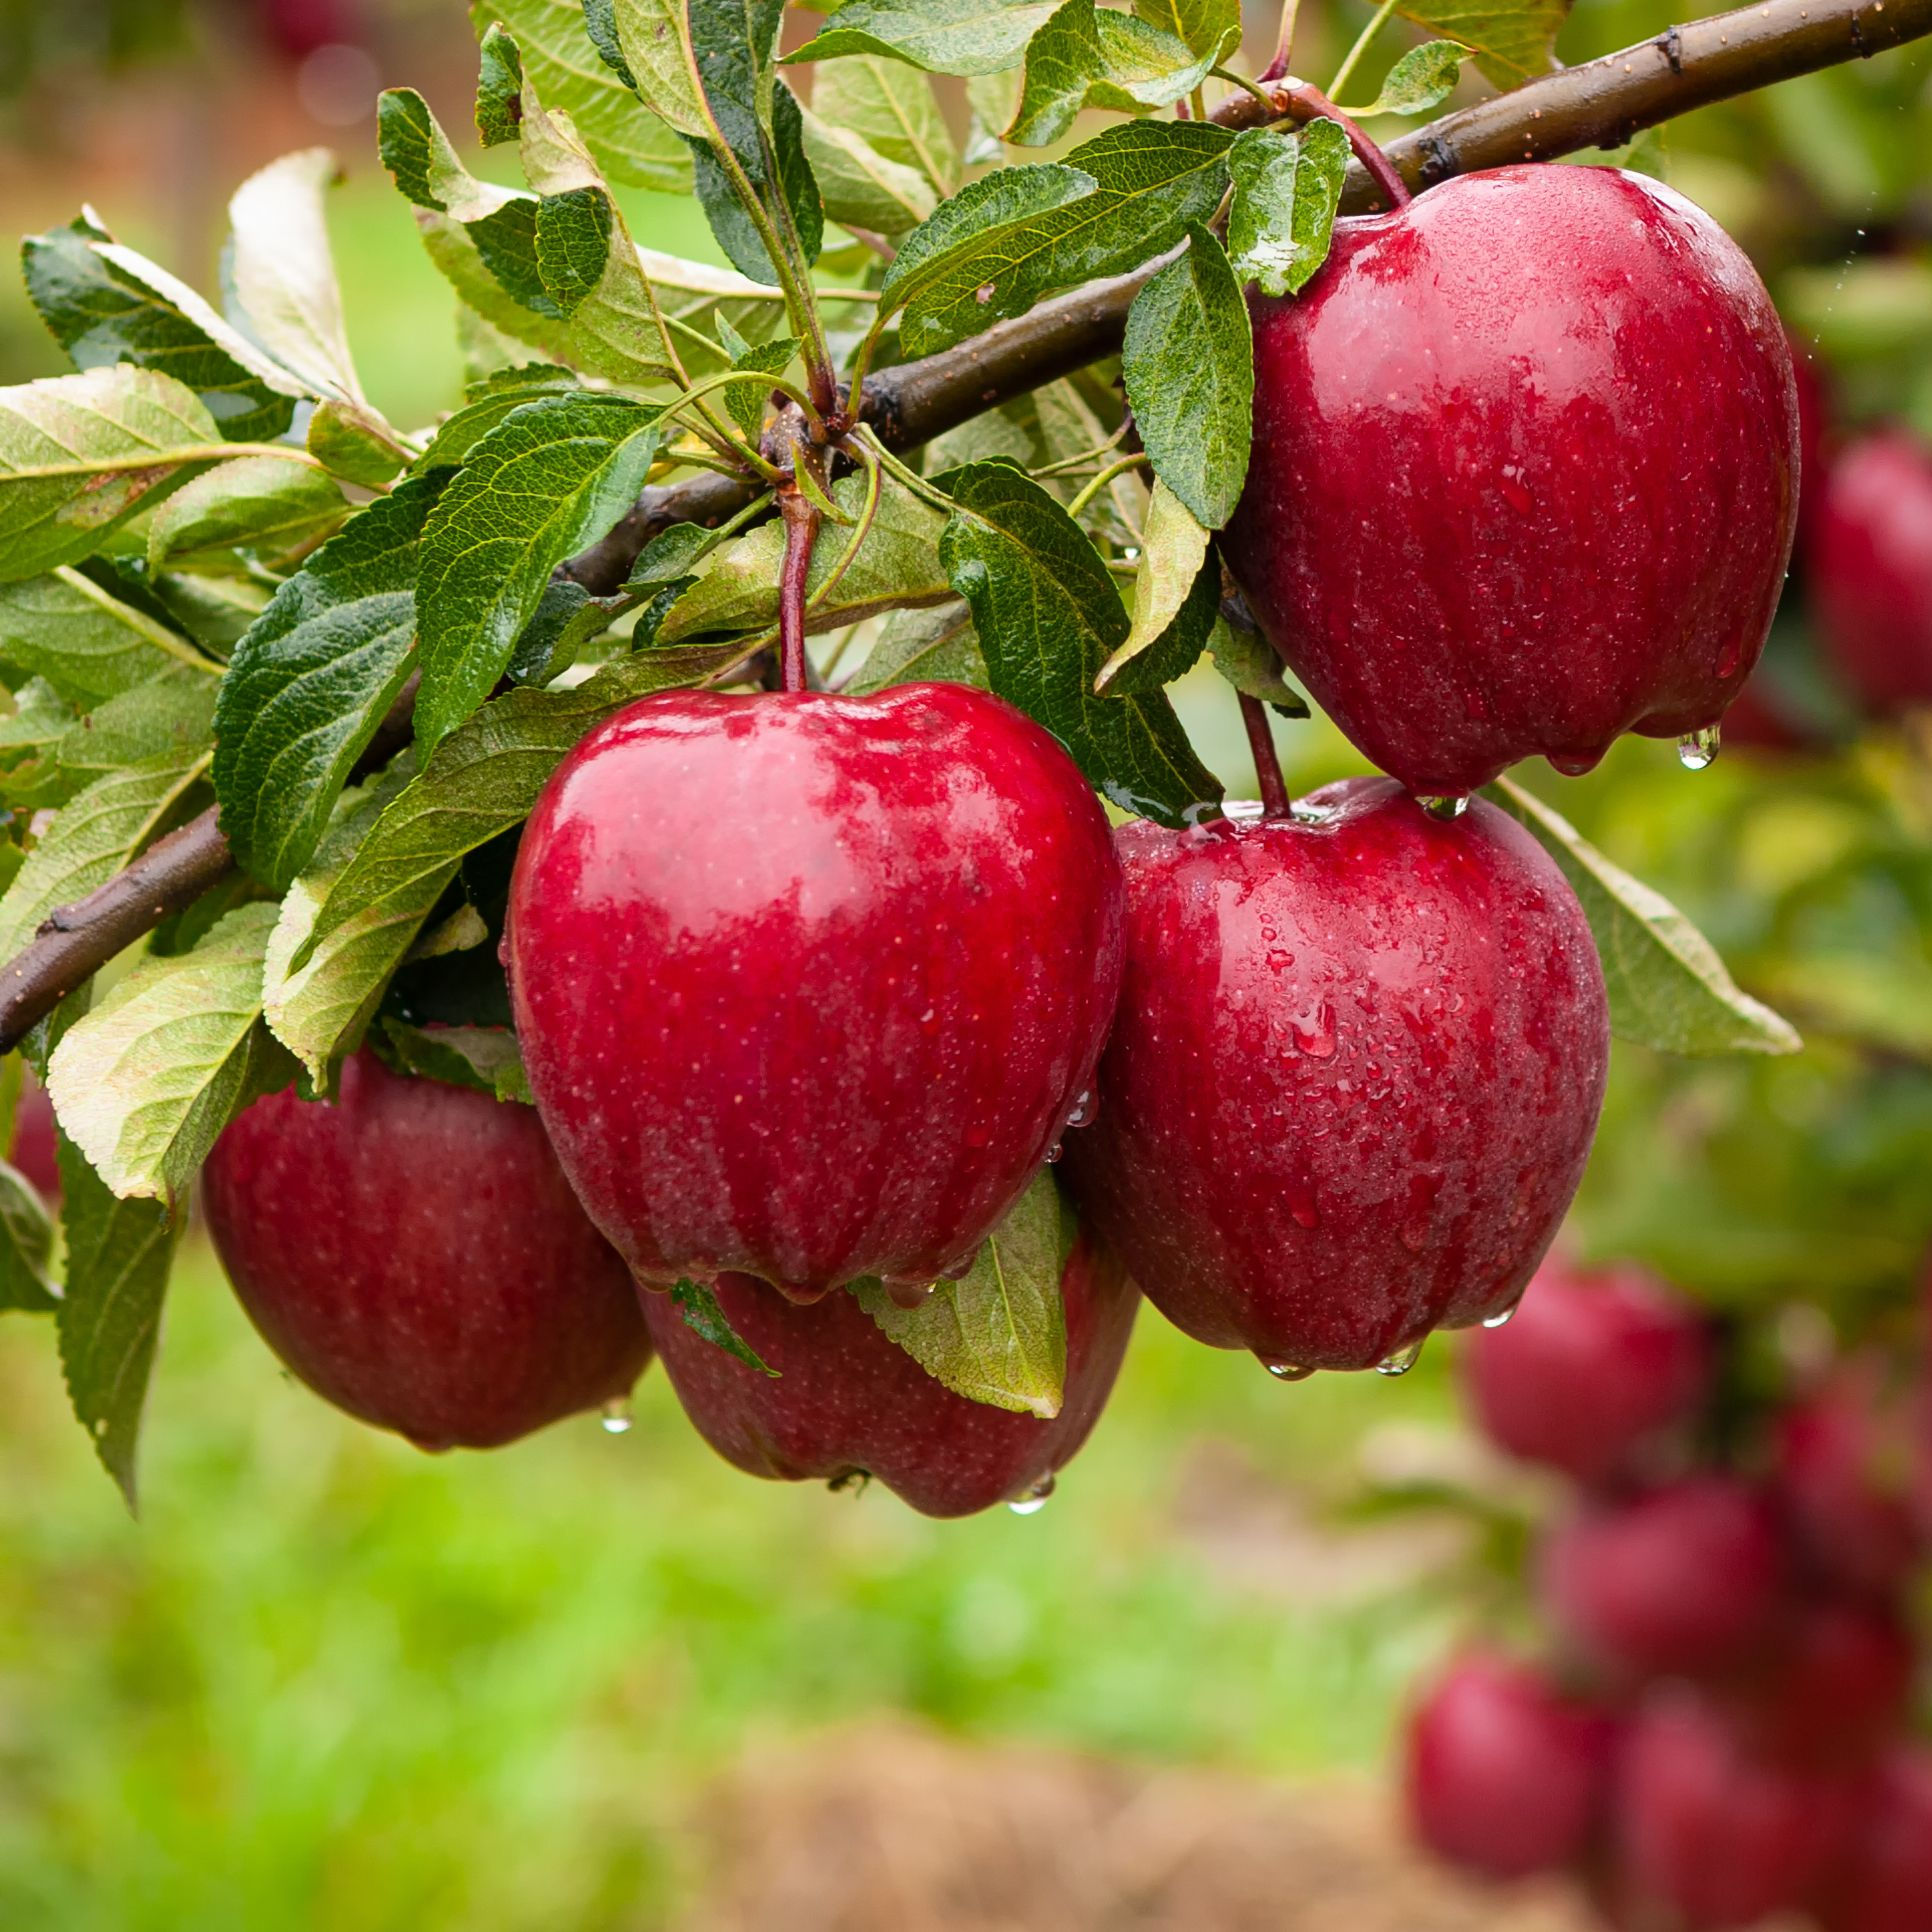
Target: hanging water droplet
616	1416
1054	1152
1034	1500
1503	1316
1403	1360
1697	749
1443	805
908	1292
1285	1371
1084	1110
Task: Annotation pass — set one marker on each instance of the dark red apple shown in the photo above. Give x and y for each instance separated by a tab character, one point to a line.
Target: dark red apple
297	28
1353	1078
1713	1835
1683	1580
1593	1370
848	1400
1525	473
1833	1686
1884	1883
1869	569
808	986
1506	1776
414	1254
34	1138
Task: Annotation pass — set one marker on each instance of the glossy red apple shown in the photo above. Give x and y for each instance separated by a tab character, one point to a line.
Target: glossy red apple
1713	1835
413	1253
1525	473
808	986
1353	1078
1869	564
849	1401
1833	1686
1884	1884
1505	1776
34	1138
1594	1370
1683	1580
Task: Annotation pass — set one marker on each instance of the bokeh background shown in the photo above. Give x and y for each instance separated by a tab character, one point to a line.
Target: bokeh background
603	1681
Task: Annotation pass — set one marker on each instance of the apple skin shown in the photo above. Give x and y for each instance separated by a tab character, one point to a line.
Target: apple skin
808	986
1884	1884
1869	570
35	1138
848	1400
1683	1580
1504	1775
1592	1372
1833	1687
1353	1078
412	1251
1713	1835
1525	473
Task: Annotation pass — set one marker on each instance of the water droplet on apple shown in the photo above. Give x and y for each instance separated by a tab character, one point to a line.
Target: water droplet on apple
1034	1500
1503	1316
1403	1360
1573	764
908	1292
1305	811
1697	749
1444	805
1284	1371
1084	1110
1314	1032
616	1416
1303	1207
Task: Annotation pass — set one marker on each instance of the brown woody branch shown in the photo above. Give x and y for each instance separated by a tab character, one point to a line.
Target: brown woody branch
1603	103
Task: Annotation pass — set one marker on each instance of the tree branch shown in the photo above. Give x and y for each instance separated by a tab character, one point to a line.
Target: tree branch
1603	103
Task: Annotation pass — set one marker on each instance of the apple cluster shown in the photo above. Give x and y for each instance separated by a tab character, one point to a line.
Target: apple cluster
1719	1732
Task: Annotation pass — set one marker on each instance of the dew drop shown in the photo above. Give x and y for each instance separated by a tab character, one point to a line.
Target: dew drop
1084	1110
1306	811
616	1416
1697	749
1443	805
908	1292
1503	1316
1034	1500
1284	1371
1053	1153
1302	1206
1573	764
1314	1031
1402	1361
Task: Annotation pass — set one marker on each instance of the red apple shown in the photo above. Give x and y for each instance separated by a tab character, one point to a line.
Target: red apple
34	1138
1682	1580
1505	1776
1594	1368
1833	1686
848	1400
1525	473
1869	564
808	986
297	28
414	1254
1712	1835
1353	1078
1884	1884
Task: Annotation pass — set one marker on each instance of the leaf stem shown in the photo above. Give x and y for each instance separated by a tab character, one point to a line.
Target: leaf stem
1363	40
1284	41
801	517
1094	485
860	530
1267	761
1305	102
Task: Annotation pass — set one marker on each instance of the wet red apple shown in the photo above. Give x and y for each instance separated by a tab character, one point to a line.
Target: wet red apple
1525	473
1505	1776
808	986
1595	1368
1353	1078
1833	1685
1884	1883
413	1253
849	1401
1869	565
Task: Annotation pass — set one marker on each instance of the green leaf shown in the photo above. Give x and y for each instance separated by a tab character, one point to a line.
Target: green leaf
703	1316
31	774
1152	178
26	1246
778	169
898	566
1512	40
550	480
214	611
282	277
354	443
1188	364
573	244
1422	79
937	644
1668	988
79	455
1048	618
1174	546
104	304
744	400
484	1058
998	1335
894	110
170	719
146	1081
109	1317
499	87
85	642
555	38
1086	56
269	505
1248	662
654	37
488	402
860	186
942	36
1287	187
1203	24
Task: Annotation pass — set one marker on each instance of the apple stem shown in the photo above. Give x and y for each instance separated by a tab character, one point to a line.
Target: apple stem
801	518
1304	102
1275	802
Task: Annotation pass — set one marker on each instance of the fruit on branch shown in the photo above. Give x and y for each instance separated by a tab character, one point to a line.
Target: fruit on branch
1353	1079
1884	1881
808	986
1593	1371
1504	1775
849	1401
413	1253
34	1138
1832	1687
298	28
1525	473
1684	1579
1869	563
1711	1834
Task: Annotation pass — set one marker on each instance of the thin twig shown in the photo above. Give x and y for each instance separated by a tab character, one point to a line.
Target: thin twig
1267	761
